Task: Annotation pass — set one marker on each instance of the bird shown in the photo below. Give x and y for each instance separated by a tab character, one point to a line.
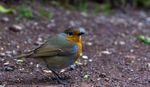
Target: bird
59	51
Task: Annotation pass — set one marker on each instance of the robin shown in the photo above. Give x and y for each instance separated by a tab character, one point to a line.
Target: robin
59	51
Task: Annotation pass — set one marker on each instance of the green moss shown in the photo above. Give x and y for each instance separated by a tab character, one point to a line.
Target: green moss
24	11
44	13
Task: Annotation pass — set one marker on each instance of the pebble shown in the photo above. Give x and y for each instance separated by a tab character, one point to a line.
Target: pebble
89	43
14	52
98	79
148	64
84	57
106	52
18	46
19	61
9	53
84	14
148	19
51	25
86	76
21	69
129	78
8	68
37	65
72	67
39	41
63	70
131	50
122	43
2	54
90	60
6	63
1	59
16	28
5	19
102	75
47	71
31	63
85	62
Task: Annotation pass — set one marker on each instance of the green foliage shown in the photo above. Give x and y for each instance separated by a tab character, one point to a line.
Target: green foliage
82	5
145	3
5	10
106	8
143	39
44	13
24	11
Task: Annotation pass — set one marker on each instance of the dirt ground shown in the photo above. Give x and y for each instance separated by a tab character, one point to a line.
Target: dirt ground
114	57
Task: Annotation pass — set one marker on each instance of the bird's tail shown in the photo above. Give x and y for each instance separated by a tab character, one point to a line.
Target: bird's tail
24	55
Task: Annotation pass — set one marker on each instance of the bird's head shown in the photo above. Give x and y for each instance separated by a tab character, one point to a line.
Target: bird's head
74	33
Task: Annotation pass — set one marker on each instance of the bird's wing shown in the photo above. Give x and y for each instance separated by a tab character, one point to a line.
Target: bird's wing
55	46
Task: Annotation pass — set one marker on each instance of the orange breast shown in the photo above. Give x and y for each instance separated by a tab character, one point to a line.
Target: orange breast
79	52
77	39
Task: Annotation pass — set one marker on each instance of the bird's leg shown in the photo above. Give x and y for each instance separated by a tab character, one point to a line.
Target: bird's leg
58	78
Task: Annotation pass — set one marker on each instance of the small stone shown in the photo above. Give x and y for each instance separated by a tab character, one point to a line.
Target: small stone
102	75
9	53
5	19
86	76
63	70
131	50
31	63
16	28
2	48
18	46
31	73
37	65
72	23
106	52
85	62
72	67
47	71
115	43
90	60
2	54
89	43
1	59
148	64
107	79
19	61
129	78
122	43
98	79
148	19
84	57
40	39
21	69
84	14
6	63
35	23
3	85
14	52
8	68
51	25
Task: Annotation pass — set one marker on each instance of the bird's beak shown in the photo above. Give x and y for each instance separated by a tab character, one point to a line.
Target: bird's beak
82	31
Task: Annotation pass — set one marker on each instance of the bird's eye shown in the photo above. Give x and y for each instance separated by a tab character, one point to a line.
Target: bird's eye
70	33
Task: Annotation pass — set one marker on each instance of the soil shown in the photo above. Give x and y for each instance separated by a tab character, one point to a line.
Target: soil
114	57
